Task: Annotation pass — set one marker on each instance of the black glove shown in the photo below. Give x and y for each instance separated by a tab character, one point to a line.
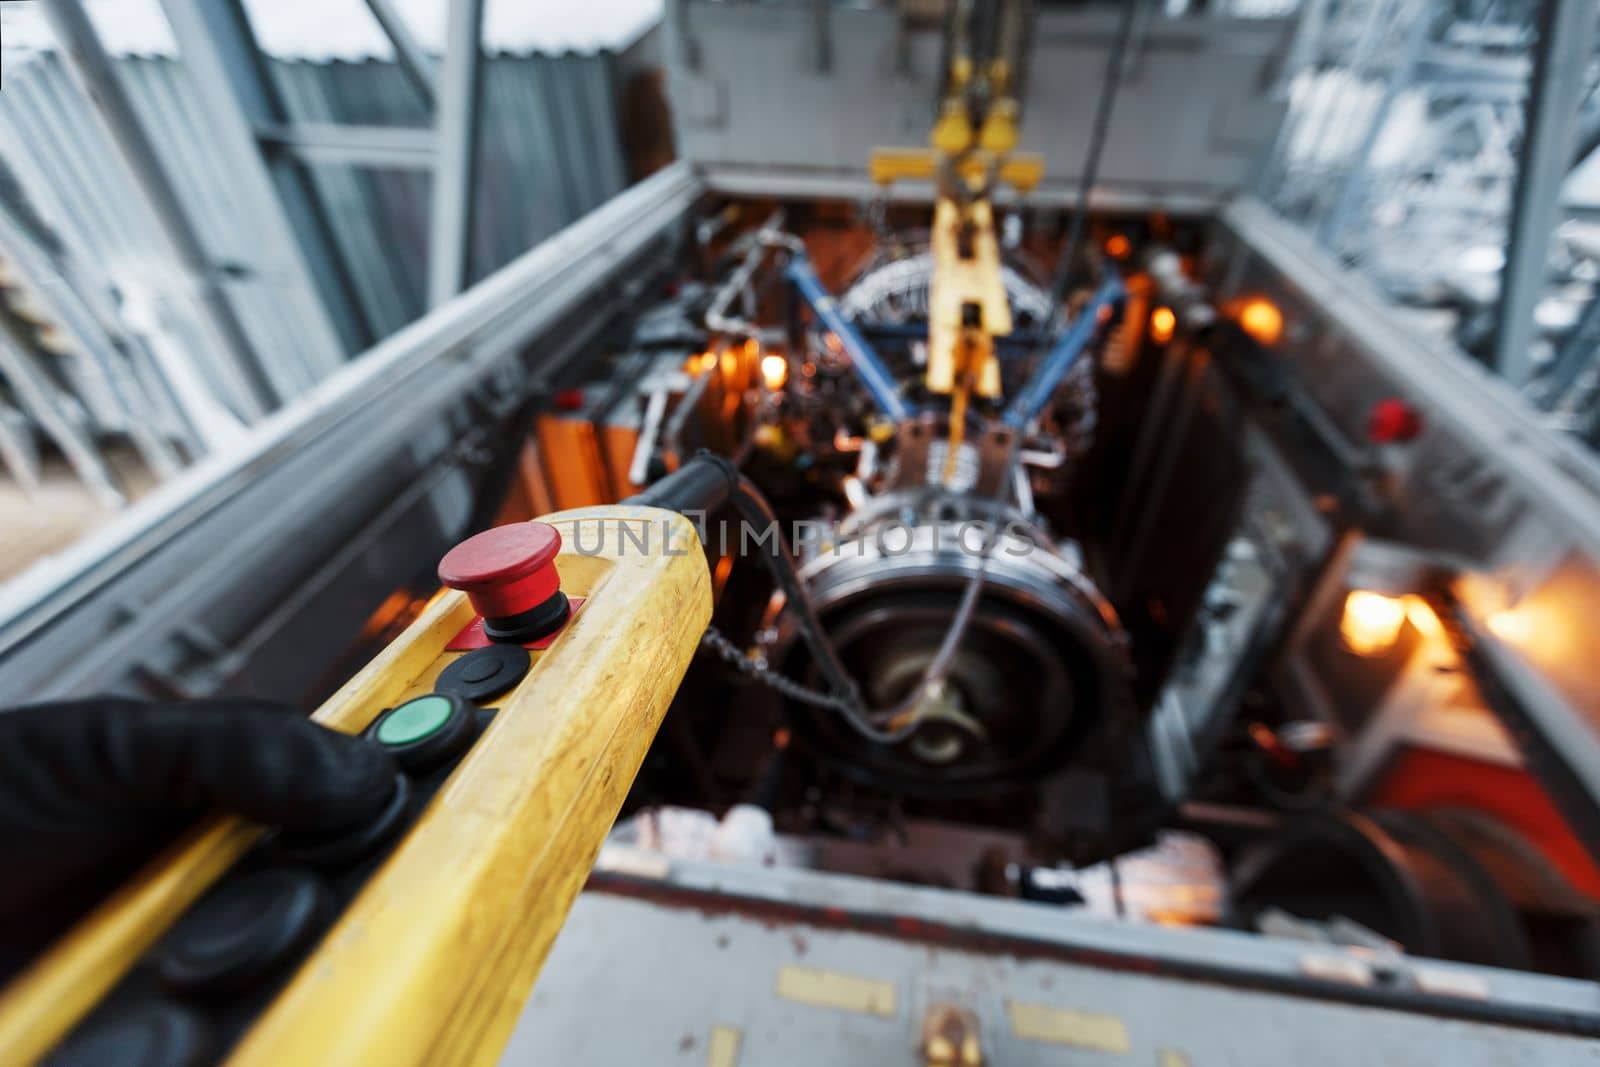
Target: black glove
89	789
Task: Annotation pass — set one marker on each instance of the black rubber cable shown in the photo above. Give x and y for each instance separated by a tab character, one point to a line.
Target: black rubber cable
708	482
1091	163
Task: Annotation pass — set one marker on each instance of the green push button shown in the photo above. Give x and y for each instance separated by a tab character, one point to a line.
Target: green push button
415	720
426	732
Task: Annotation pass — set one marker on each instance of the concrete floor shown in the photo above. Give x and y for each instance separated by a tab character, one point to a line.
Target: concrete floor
34	525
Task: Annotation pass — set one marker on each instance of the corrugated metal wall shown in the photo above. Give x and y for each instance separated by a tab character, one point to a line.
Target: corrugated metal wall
102	343
550	151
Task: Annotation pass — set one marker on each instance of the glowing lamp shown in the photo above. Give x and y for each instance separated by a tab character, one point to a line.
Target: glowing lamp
1371	622
1262	320
774	371
1162	324
1421	615
1515	626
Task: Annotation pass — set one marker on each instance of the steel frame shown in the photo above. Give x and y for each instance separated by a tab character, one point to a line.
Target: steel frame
220	53
1497	124
39	399
189	317
145	419
359	146
249	391
416	63
454	179
1351	189
1561	59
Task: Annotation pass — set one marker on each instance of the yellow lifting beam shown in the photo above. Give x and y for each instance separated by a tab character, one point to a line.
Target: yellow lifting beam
959	282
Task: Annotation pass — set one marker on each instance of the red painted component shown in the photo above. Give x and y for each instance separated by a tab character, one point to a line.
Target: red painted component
568	400
1391	421
472	637
1422	778
507	570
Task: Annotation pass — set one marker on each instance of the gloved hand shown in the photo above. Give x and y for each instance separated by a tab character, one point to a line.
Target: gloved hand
89	789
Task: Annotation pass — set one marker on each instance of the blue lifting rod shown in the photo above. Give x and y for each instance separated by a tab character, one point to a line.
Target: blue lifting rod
862	357
1036	394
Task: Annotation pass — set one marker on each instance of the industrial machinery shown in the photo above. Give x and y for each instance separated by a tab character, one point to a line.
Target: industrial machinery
1063	567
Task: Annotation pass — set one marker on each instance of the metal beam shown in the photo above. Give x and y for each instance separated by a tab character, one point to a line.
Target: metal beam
251	393
296	249
454	178
1468	407
41	401
18	452
334	144
416	64
1549	130
1579	351
68	313
1304	48
1353	188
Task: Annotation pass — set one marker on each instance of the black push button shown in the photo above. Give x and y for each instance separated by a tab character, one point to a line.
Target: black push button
330	851
155	1033
243	931
427	731
485	673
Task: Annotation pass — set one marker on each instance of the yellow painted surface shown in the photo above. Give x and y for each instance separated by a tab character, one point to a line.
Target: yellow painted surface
433	960
1064	1026
723	1048
835	989
957	282
1023	170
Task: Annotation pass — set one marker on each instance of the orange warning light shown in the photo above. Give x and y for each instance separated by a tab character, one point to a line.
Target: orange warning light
1162	325
1261	319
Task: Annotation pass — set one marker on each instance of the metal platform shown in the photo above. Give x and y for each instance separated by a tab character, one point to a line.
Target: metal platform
725	966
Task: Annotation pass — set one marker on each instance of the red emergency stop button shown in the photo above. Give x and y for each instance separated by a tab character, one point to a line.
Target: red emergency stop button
509	574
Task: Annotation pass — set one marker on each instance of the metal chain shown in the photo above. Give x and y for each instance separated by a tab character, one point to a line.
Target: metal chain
757	668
